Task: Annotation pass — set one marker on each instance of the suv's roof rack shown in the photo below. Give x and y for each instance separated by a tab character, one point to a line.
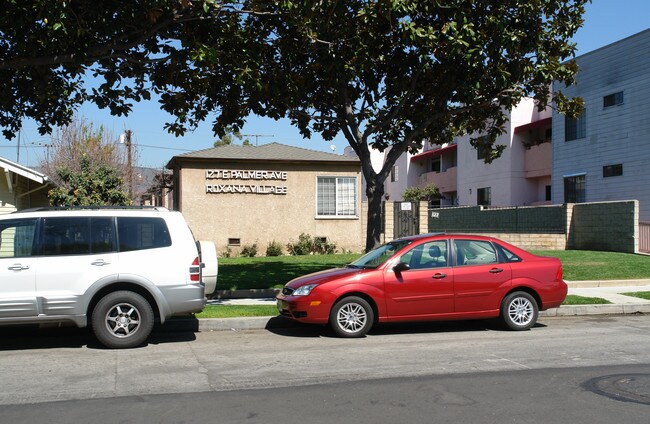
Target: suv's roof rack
83	208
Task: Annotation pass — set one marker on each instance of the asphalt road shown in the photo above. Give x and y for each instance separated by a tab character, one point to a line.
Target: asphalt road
460	372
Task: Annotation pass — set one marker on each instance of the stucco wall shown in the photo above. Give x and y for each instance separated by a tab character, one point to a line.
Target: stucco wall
261	218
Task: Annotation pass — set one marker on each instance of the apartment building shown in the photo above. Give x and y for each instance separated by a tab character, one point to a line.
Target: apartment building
601	156
604	154
521	176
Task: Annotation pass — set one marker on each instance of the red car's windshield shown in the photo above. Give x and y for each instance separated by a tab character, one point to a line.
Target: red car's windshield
378	256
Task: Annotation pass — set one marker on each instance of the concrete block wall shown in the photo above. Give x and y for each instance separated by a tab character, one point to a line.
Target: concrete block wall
608	226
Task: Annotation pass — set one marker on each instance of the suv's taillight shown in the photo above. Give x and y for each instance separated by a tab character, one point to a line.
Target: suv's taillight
195	270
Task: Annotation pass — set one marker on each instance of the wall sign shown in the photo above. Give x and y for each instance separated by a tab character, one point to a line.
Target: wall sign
241	175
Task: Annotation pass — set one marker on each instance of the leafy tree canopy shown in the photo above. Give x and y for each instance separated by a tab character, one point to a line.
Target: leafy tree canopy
49	48
384	73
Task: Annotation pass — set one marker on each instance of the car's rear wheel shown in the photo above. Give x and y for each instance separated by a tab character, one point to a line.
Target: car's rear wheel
122	319
352	317
519	311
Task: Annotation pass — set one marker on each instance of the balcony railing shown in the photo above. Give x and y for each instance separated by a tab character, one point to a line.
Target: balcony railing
537	160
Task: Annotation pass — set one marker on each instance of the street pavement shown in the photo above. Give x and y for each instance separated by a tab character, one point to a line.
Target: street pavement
611	290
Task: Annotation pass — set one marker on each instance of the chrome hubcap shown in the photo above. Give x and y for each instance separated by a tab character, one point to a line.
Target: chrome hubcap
520	311
123	320
351	317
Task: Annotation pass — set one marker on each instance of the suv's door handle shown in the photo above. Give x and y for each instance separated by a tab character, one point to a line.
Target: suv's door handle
496	270
99	262
18	267
439	275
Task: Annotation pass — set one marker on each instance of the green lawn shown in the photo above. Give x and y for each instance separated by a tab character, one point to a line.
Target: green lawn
572	299
232	311
580	265
274	272
641	295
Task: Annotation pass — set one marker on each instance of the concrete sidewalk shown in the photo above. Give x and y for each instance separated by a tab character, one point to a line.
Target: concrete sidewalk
611	290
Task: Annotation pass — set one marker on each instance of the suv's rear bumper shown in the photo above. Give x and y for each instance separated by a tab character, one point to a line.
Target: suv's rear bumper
184	299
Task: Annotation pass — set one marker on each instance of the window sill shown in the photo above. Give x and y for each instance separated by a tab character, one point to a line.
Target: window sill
343	217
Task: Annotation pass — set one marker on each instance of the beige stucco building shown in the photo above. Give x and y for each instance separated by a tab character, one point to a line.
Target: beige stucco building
240	195
22	187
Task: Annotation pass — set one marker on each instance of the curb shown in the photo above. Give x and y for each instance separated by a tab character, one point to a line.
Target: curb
269	323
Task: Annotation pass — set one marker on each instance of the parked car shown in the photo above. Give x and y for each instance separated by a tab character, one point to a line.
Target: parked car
425	278
116	269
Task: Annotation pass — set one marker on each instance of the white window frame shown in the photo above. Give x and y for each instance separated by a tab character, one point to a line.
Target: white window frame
338	183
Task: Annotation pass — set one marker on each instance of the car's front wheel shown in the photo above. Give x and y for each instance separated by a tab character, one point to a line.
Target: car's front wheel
352	317
519	311
122	319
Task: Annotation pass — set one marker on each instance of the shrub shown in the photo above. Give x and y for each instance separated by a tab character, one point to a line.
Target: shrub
303	246
307	245
274	249
227	252
249	250
323	247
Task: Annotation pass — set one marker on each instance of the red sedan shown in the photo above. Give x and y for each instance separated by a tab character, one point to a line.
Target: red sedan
428	277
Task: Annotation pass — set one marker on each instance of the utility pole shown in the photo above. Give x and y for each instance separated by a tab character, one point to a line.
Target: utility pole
257	136
126	139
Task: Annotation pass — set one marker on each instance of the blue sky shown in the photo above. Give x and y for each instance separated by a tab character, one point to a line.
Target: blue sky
606	21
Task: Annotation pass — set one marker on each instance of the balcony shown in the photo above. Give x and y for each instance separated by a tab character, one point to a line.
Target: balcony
445	181
537	161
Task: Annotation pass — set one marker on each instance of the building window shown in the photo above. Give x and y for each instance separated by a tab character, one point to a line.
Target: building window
336	196
234	242
394	174
435	164
613	170
481	149
484	196
613	99
548	193
575	129
575	189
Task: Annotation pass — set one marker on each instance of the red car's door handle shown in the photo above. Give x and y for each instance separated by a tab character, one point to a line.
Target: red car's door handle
496	270
439	275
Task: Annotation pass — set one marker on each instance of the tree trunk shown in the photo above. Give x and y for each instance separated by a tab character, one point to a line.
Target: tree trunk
375	193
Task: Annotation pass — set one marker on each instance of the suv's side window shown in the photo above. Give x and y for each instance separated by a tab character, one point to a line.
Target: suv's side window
142	233
17	238
77	236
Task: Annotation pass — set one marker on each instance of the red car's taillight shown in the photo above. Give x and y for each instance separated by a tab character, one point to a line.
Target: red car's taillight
195	270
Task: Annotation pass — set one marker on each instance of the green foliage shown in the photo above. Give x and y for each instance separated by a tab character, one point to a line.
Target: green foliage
226	252
274	248
91	186
229	138
383	74
249	250
307	245
415	194
302	247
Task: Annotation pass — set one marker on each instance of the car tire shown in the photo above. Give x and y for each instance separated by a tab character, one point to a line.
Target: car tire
352	317
122	319
519	311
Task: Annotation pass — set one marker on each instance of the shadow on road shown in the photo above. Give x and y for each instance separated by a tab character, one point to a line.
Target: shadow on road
33	337
280	327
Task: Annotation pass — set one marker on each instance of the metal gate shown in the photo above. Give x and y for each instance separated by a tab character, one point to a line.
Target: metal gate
644	237
406	219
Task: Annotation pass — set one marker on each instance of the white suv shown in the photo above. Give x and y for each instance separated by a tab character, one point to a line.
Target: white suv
120	269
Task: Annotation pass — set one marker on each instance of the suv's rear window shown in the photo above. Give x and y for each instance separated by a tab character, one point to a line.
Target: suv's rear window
142	233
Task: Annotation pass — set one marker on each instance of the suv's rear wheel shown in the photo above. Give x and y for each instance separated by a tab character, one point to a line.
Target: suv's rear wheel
122	319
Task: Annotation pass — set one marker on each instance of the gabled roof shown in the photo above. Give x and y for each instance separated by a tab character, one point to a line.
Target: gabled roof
19	169
267	152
